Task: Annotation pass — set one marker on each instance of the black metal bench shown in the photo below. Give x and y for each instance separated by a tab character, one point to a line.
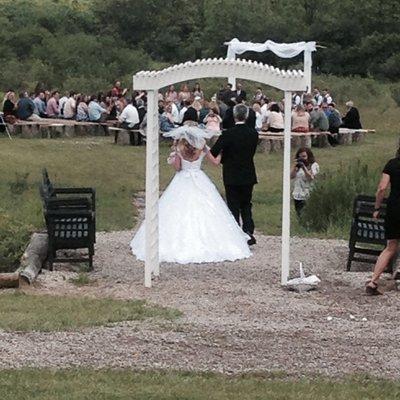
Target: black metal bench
366	231
70	215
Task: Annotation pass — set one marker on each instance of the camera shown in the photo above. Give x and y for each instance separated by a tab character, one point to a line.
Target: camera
299	163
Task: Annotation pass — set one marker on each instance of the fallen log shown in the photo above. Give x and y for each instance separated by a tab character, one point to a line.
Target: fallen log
33	258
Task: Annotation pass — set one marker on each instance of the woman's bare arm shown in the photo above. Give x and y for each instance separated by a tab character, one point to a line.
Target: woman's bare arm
213	160
380	193
177	162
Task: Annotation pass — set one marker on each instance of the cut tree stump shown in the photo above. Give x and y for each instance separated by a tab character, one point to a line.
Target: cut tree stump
33	258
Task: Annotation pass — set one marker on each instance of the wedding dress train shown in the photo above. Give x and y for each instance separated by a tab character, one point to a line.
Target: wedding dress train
195	225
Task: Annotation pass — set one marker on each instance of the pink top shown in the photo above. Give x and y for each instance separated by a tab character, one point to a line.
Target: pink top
171	96
52	107
213	123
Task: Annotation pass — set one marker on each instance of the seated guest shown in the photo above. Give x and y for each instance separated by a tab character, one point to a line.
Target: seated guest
204	110
259	118
171	95
227	93
166	119
52	109
117	89
191	115
300	119
334	118
259	95
275	119
141	109
114	109
318	120
129	117
352	118
10	107
25	108
197	92
228	120
184	94
240	93
70	106
40	106
213	120
61	104
95	111
82	110
185	106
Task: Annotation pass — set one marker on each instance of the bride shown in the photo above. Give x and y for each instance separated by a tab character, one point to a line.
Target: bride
195	225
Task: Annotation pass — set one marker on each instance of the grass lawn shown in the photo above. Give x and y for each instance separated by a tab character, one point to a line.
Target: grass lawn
45	384
117	173
20	312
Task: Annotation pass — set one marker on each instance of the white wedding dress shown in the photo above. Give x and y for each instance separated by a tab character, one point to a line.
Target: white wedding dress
195	225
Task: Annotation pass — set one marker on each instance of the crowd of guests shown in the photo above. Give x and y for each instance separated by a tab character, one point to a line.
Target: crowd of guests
311	112
115	105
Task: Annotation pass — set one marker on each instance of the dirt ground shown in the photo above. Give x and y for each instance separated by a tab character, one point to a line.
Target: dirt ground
236	317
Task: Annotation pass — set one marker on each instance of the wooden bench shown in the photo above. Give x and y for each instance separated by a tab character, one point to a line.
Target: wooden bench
70	215
126	137
367	235
273	141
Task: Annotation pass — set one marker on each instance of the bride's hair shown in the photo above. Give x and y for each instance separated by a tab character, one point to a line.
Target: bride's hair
186	149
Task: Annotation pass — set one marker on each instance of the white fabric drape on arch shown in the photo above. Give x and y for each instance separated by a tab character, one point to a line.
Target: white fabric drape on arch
283	50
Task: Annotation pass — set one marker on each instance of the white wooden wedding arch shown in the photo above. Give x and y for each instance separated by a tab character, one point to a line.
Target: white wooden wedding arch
152	81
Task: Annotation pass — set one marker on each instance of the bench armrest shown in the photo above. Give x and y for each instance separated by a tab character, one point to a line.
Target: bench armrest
69	213
74	190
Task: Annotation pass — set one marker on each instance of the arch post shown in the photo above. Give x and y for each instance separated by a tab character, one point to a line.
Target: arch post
152	189
286	190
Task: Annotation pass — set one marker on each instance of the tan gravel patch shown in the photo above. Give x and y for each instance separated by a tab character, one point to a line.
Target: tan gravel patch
236	317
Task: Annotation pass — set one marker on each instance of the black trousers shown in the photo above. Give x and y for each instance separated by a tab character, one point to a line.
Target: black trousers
299	205
238	198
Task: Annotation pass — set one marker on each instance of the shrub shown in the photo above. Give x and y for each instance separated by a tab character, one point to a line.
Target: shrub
20	184
14	237
329	207
395	92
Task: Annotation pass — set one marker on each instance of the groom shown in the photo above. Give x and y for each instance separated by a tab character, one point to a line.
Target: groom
238	145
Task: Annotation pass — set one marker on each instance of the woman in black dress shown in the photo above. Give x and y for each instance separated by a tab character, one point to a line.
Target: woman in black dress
390	176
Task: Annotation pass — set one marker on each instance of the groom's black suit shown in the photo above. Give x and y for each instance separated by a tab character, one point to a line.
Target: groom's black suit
238	145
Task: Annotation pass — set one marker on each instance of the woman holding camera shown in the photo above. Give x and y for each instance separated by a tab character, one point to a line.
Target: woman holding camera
303	174
390	177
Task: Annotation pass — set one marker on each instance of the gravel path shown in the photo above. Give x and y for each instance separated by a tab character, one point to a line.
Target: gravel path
236	316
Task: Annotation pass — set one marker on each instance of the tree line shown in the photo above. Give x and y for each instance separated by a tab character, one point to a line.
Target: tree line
86	44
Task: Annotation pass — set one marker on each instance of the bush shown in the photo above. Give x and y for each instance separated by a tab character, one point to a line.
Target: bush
330	205
14	237
395	92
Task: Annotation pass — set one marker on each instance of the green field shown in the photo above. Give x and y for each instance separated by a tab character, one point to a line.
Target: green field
117	173
82	384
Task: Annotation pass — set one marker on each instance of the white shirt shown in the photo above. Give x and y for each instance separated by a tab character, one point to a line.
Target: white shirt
129	115
328	98
181	114
259	120
264	112
61	103
175	113
69	108
318	98
302	185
